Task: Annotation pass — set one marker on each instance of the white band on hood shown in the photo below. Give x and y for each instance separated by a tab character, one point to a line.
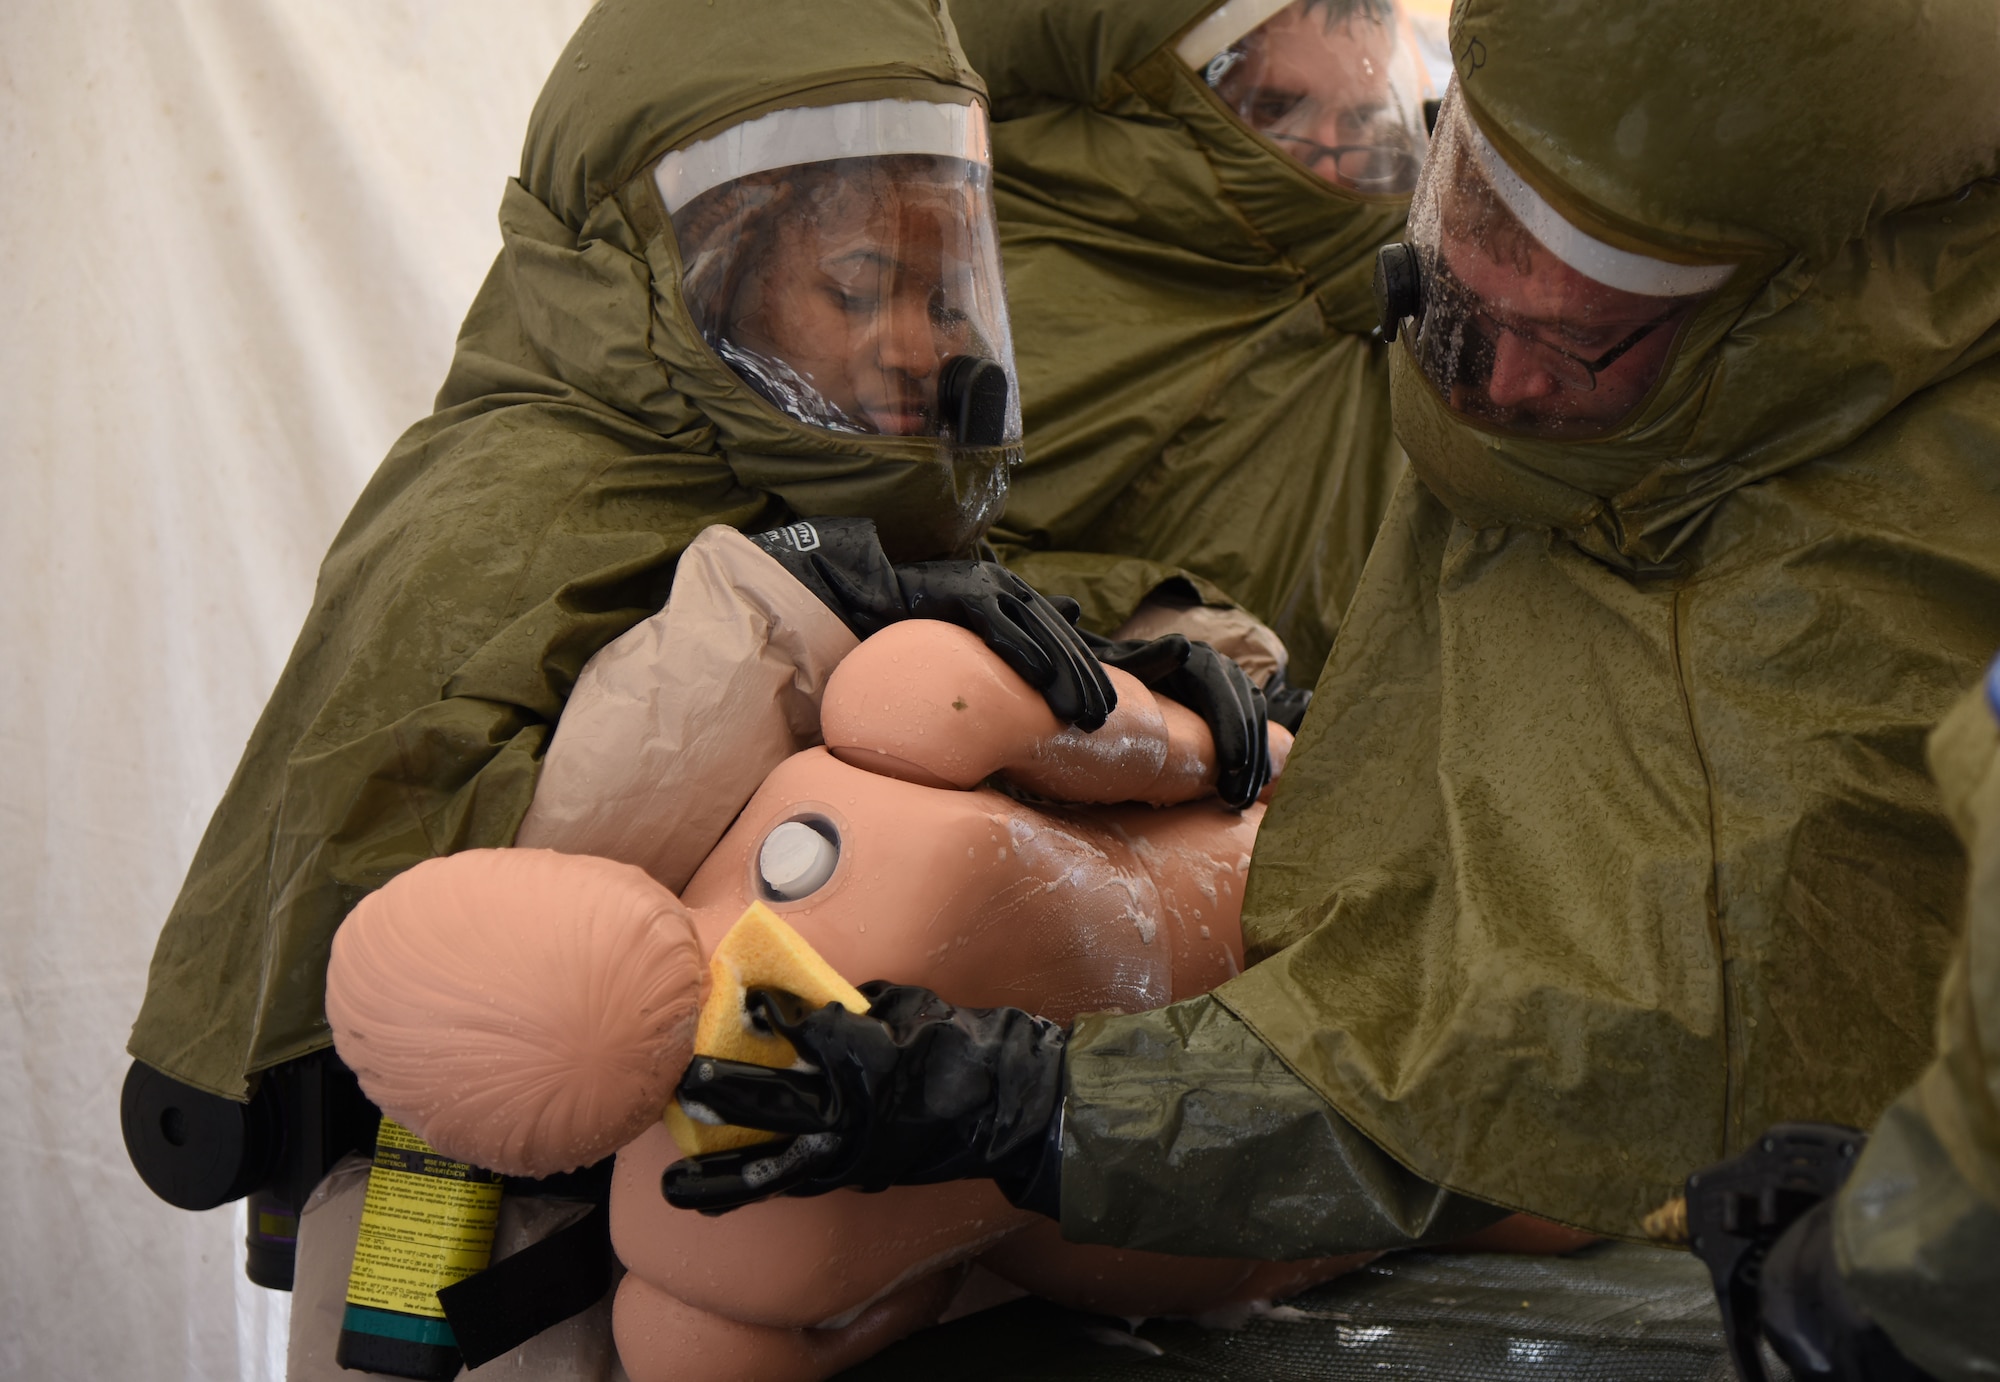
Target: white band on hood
818	134
1225	24
1609	265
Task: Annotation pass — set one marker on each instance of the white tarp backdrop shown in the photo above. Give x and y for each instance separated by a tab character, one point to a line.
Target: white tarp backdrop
239	236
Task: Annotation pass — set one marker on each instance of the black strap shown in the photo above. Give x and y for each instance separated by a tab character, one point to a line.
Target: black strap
545	1283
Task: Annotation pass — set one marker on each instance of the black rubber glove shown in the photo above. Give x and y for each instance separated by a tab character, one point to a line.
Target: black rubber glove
1811	1321
915	1092
841	561
1030	634
1287	703
1762	1223
1213	687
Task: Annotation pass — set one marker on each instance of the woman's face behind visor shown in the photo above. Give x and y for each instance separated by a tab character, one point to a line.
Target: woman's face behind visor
843	290
1334	83
1527	323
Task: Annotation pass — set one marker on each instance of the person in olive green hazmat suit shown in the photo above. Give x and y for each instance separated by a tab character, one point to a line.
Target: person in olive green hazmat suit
1190	198
1896	1272
1916	1229
1608	842
596	417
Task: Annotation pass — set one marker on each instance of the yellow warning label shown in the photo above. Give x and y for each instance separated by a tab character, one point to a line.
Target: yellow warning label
426	1223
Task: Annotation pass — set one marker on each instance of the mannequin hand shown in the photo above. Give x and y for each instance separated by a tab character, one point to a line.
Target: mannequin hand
1216	689
915	1092
1031	635
841	561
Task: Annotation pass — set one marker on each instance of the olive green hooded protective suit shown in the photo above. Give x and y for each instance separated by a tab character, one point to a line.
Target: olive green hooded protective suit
1608	841
1191	308
1917	1227
583	438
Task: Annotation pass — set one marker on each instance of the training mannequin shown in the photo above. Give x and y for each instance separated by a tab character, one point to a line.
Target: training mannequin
532	1011
598	969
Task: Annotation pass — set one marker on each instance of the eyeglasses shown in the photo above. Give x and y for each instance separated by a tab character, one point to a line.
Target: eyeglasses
1363	167
1474	341
1567	365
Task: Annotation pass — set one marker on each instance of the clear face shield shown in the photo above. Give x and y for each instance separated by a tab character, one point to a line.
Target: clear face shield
1336	84
1519	319
843	260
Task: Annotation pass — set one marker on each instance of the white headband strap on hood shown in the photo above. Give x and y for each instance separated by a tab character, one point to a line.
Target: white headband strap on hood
1225	24
819	134
1609	265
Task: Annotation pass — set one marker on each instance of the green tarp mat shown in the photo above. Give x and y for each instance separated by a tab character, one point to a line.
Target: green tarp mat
1615	1312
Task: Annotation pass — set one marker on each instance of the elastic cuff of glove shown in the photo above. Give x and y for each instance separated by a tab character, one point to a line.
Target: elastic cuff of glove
1040	1189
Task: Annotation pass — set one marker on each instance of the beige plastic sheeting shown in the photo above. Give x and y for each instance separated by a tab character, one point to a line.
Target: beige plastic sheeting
239	236
718	688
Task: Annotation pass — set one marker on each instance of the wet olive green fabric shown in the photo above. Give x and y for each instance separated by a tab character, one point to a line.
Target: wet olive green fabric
1785	124
1182	1132
1192	314
1917	1228
1609	840
1776	137
583	438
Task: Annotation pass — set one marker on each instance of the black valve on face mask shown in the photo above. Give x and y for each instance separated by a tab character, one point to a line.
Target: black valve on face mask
1398	287
972	400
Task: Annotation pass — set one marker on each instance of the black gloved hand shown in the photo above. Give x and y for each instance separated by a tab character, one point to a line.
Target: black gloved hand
1213	687
1812	1322
841	561
1762	1224
1287	703
915	1092
1031	635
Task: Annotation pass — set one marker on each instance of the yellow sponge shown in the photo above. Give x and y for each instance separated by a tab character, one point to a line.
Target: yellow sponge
759	951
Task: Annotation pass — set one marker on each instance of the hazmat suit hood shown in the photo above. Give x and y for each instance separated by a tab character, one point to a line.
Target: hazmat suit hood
1609	840
1200	390
585	434
1790	149
634	85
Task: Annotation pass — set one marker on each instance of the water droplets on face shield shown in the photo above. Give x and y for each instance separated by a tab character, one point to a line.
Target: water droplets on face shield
1525	323
843	261
1336	84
